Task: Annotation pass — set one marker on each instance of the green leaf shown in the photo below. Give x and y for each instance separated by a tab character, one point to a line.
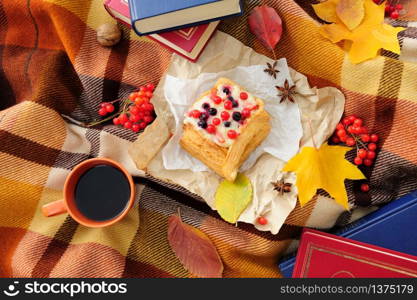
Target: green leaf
232	198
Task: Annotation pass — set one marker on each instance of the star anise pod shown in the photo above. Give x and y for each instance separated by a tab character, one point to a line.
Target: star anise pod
286	92
271	70
282	187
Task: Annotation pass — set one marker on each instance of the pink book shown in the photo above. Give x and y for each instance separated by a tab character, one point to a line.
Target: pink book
187	42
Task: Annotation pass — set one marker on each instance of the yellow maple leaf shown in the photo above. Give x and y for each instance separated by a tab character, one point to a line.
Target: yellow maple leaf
325	168
350	12
366	39
327	11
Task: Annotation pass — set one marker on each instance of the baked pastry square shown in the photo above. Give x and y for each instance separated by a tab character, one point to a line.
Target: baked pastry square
224	126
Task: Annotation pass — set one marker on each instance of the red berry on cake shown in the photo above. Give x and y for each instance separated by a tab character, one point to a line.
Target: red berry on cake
225	115
211	129
217	100
228	105
216	121
246	113
195	114
243	96
232	134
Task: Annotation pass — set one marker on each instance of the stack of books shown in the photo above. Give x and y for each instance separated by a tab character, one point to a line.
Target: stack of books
381	244
183	26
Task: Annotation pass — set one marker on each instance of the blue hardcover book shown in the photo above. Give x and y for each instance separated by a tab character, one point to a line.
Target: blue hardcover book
393	226
156	16
151	8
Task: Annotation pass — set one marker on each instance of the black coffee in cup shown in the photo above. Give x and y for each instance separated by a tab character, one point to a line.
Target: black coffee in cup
102	193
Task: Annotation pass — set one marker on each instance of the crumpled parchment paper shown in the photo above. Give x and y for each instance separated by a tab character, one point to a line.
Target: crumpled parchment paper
282	142
320	111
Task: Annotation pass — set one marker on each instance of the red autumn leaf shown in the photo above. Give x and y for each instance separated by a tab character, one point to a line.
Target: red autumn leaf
266	24
194	249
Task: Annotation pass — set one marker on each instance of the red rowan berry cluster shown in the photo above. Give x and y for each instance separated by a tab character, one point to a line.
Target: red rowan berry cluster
135	113
352	132
393	9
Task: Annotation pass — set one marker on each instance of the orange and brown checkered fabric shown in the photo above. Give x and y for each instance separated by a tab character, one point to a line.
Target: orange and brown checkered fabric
51	65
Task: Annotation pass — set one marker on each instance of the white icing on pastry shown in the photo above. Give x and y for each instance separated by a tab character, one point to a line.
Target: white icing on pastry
220	136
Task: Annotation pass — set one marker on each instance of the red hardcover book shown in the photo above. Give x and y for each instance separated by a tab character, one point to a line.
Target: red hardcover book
323	255
187	42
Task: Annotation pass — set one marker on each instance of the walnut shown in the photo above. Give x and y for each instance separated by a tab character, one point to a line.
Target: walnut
108	34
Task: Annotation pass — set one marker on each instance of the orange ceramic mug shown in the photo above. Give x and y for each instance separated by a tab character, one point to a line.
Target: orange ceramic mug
68	203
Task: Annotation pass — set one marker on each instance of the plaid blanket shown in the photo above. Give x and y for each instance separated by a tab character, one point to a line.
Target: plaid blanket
51	65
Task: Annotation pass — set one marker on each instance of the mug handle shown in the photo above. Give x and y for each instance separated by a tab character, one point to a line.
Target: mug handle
54	208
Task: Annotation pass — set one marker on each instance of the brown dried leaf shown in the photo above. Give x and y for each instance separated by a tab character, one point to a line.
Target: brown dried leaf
194	249
351	12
